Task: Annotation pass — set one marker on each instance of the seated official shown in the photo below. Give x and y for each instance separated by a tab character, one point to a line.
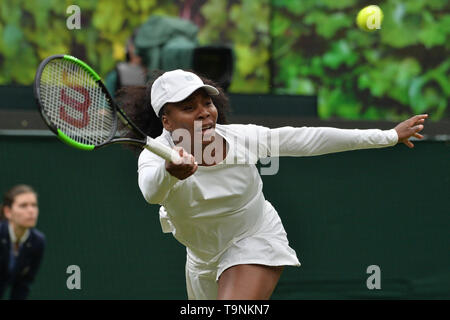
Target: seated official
21	245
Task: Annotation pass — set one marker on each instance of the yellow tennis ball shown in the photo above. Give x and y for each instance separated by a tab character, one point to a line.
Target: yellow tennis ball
370	18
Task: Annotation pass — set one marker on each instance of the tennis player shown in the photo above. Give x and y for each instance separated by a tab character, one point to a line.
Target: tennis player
213	202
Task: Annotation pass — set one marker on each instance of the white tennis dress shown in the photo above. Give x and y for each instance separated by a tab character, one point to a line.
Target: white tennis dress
220	213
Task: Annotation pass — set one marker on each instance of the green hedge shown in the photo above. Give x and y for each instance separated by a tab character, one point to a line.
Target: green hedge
387	74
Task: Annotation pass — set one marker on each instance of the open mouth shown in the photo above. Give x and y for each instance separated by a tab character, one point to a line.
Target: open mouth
207	127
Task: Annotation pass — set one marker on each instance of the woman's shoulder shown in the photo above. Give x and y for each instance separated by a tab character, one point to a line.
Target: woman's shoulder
38	236
3	225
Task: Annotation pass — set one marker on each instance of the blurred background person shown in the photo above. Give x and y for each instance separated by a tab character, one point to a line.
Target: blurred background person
21	245
132	72
168	43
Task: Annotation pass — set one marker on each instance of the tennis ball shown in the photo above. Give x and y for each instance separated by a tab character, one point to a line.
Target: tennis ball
370	18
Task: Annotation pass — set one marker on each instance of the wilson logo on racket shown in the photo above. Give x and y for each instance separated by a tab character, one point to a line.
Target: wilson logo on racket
67	115
74	103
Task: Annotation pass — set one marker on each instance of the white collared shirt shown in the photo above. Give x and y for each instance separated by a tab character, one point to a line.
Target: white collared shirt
13	238
220	204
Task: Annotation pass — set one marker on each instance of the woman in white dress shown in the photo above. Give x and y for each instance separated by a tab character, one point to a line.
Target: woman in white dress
212	202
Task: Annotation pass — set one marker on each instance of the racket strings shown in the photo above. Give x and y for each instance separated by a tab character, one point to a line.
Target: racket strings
75	103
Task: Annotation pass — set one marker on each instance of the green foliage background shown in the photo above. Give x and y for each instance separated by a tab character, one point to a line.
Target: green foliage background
309	47
391	73
32	30
245	25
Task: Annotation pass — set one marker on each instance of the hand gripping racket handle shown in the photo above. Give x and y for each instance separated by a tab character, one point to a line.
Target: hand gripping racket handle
163	151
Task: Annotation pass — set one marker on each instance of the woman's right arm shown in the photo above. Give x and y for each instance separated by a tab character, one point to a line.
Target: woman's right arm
153	179
157	176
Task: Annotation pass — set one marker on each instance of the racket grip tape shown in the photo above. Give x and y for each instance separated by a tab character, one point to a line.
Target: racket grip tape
163	151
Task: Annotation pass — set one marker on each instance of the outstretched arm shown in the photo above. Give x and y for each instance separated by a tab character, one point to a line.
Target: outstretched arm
312	141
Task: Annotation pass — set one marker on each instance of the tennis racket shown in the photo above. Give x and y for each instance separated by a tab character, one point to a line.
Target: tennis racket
77	107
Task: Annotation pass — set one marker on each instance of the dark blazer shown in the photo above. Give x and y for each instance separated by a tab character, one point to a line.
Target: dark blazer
27	262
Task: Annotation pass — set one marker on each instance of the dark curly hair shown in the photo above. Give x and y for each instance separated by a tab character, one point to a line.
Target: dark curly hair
136	102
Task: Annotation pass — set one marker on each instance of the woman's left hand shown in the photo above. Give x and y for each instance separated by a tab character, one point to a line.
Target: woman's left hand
410	128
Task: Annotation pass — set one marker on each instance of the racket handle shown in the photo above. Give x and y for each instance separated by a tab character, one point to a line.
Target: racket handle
163	151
